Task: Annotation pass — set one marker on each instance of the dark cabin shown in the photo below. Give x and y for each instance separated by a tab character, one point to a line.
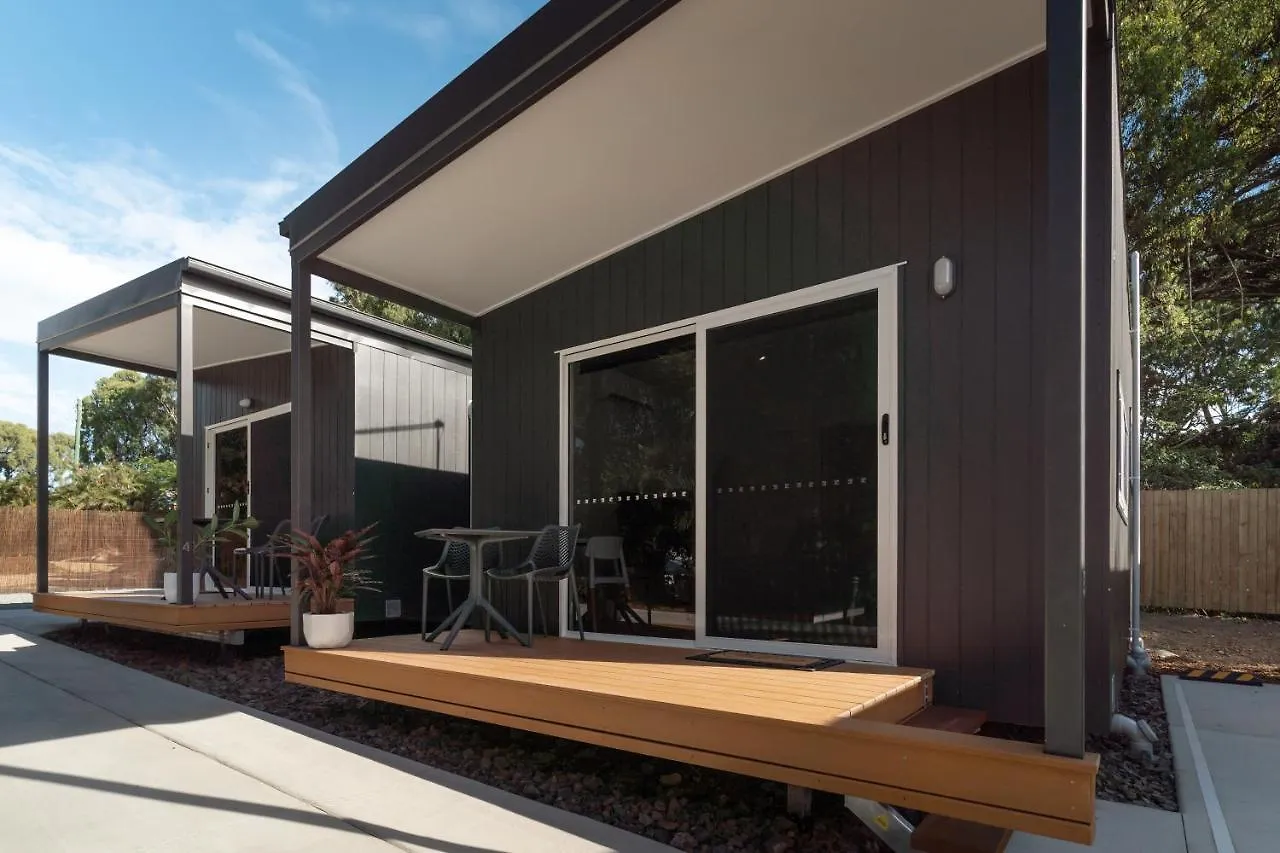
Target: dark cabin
390	417
821	307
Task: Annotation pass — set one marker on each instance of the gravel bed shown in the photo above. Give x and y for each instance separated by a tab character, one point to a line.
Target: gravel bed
690	808
1122	779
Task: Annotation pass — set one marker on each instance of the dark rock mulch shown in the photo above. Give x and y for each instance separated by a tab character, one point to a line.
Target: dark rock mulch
1122	779
690	808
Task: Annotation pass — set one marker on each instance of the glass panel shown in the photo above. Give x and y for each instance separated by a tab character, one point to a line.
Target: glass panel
230	470
632	482
792	444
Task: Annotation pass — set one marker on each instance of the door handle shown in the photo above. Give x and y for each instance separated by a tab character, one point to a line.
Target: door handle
884	428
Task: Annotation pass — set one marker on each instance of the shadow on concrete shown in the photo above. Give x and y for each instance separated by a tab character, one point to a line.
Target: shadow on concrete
242	807
133	698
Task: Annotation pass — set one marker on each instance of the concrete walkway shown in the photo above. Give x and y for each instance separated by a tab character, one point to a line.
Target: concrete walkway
1226	750
97	756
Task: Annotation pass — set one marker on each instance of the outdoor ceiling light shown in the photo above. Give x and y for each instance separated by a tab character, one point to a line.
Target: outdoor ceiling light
944	277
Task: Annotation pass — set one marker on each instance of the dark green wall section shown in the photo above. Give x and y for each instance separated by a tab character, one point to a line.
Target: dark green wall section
411	466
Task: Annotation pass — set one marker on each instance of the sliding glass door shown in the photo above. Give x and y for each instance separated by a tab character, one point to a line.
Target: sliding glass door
632	487
792	433
744	466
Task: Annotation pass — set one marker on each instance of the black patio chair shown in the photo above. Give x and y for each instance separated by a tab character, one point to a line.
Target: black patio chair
550	560
271	558
454	565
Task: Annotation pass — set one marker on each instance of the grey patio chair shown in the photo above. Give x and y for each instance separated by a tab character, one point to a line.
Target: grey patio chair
454	565
550	560
607	565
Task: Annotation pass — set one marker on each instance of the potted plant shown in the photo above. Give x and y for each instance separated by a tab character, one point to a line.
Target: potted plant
327	575
206	539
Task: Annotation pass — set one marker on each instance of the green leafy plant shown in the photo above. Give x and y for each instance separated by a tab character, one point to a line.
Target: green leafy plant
208	537
329	572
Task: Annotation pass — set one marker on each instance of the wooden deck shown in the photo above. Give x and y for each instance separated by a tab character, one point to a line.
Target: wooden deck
148	611
838	729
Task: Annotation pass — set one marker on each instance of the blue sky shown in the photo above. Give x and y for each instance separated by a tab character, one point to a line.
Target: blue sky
132	133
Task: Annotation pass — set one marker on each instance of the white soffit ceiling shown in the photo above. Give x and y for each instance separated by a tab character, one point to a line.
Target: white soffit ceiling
153	340
713	97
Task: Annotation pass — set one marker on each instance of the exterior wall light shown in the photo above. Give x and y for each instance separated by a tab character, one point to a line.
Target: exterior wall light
246	403
944	277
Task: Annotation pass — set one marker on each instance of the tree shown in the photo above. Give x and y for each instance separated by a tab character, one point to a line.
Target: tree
129	417
1200	102
360	301
148	485
17	449
18	462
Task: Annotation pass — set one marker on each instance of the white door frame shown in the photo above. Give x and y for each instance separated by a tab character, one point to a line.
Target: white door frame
884	282
213	430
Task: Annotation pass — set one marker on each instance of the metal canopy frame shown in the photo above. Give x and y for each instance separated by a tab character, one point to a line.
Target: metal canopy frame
563	38
185	286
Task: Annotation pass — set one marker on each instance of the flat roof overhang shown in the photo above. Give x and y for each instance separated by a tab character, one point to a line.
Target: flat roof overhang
680	106
135	325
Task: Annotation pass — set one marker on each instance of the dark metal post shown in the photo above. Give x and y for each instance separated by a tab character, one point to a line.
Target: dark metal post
301	425
42	471
1063	380
186	450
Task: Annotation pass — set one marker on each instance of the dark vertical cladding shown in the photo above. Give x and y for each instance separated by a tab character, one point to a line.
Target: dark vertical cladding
265	381
410	463
956	178
390	445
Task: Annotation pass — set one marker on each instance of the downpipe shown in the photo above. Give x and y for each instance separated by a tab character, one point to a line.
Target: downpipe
1138	660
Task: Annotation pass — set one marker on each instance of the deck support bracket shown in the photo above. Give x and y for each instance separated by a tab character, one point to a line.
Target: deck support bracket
886	822
799	802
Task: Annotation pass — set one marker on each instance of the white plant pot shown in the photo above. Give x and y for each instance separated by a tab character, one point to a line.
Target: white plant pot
328	630
171	586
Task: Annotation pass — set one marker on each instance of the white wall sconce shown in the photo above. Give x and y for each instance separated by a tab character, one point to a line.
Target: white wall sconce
246	402
944	277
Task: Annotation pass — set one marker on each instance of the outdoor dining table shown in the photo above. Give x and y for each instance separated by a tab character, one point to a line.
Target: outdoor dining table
476	539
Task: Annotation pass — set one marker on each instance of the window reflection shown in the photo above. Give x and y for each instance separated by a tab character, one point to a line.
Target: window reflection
633	486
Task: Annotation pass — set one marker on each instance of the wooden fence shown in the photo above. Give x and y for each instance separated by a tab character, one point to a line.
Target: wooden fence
87	550
1212	550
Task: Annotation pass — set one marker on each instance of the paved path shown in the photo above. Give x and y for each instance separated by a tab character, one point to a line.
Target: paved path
1226	748
96	756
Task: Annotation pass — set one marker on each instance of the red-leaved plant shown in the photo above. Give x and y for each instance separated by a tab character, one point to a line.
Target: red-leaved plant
331	572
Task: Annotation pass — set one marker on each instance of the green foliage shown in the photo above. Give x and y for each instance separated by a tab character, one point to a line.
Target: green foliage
129	417
18	462
372	305
147	485
234	529
1200	104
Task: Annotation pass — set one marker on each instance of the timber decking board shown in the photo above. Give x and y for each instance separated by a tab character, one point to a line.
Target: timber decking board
831	730
149	611
657	674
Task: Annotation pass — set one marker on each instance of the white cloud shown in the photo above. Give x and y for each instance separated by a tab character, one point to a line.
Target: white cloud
72	228
292	80
74	225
